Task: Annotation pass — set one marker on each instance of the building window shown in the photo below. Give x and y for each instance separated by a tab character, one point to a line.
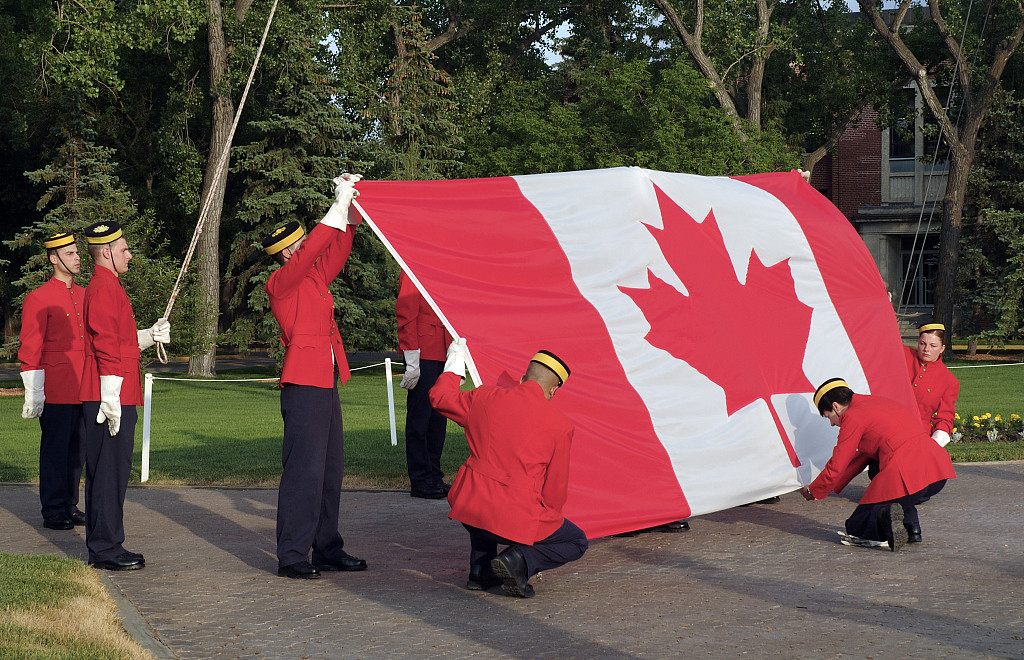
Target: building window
922	266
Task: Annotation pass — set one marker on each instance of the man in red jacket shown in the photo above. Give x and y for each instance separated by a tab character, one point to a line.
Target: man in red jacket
512	488
911	466
423	339
111	389
309	497
52	354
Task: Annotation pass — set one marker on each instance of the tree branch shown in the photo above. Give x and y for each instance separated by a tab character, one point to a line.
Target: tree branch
704	63
916	70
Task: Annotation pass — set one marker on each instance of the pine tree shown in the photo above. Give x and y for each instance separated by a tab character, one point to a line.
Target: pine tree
81	188
297	145
420	140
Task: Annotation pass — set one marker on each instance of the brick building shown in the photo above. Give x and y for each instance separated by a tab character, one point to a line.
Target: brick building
890	187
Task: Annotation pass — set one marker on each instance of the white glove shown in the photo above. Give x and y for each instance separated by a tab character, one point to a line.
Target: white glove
160	332
344	192
457	354
412	369
34	395
941	437
110	403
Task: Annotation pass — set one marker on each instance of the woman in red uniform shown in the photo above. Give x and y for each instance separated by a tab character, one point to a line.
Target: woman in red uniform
935	388
912	468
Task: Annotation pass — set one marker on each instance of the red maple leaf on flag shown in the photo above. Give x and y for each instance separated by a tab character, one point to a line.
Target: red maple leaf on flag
748	338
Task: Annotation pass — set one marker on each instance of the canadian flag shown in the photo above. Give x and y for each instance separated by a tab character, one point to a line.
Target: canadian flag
697	314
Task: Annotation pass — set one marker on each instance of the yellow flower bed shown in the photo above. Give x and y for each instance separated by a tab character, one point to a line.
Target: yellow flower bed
988	428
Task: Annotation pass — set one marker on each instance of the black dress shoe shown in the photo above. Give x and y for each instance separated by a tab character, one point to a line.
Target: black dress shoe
510	566
345	562
77	517
300	570
670	528
126	561
482	578
429	493
774	499
444	487
913	532
59	521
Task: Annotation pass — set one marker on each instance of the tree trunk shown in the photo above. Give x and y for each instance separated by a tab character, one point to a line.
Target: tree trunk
949	239
203	359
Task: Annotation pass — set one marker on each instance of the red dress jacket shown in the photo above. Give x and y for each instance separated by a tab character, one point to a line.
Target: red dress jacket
53	339
935	389
111	339
515	481
875	428
418	325
304	308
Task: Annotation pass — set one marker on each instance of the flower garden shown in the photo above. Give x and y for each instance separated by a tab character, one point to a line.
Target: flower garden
988	428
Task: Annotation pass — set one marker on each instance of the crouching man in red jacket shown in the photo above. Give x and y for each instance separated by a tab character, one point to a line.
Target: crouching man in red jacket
512	488
912	467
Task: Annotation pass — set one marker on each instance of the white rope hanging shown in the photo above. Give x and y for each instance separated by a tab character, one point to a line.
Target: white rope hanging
161	352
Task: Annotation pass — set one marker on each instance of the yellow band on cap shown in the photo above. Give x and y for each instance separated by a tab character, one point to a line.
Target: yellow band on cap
826	388
284	241
553	364
928	327
58	241
103	240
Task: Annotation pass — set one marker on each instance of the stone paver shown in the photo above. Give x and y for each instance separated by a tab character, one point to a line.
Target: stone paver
758	581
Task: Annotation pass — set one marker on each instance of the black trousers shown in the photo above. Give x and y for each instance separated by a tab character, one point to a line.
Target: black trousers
425	430
309	498
864	521
108	464
565	544
61	457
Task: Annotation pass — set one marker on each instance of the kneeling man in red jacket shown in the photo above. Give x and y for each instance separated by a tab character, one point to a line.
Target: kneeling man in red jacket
512	488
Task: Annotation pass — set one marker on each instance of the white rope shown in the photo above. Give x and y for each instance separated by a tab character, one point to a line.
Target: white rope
220	380
257	380
979	366
161	352
907	279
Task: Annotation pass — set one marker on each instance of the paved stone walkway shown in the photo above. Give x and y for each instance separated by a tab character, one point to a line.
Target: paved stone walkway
758	581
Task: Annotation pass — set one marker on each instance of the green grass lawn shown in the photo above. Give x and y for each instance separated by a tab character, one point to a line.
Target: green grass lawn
989	389
208	433
221	433
54	607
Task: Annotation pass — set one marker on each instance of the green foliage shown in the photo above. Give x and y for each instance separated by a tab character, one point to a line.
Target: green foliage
618	112
419	140
991	268
81	189
297	141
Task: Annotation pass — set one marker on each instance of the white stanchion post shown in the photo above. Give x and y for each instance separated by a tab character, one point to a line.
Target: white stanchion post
147	414
391	401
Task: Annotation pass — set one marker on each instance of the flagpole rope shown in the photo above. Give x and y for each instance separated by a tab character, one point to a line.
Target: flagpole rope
161	352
